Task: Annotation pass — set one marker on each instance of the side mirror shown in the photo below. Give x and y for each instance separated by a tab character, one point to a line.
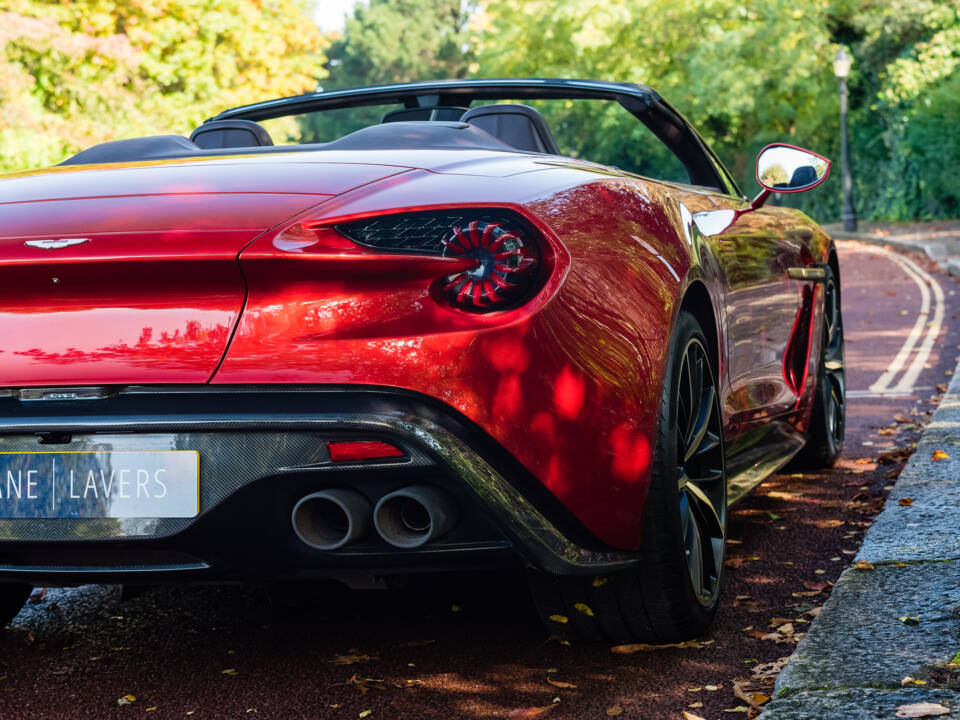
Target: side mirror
784	168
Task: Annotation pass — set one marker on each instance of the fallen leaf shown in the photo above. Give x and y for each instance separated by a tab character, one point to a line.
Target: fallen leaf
364	685
531	712
909	619
365	713
690	716
911	681
228	671
768	672
695	705
885	431
813	612
126	700
901	418
939	455
823	524
863	565
905	501
644	647
407	684
777	622
922	710
614	711
600	581
560	619
734	562
712	688
584	608
774	516
738	709
560	683
351	659
897	455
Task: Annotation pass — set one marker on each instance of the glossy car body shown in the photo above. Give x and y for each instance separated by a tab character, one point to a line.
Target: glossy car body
192	309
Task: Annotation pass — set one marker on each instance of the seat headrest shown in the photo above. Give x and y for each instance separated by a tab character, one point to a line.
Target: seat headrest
519	126
217	134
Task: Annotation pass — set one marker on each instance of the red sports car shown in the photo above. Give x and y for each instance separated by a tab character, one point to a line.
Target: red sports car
456	325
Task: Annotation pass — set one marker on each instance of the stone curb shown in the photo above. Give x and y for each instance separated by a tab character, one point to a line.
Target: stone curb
851	662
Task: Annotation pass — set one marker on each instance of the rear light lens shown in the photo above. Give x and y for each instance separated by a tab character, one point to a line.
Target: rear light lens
504	246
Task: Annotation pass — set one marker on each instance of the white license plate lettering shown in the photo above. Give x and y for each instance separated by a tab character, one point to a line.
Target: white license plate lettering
107	484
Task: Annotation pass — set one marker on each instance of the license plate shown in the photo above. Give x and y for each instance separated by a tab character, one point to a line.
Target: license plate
104	484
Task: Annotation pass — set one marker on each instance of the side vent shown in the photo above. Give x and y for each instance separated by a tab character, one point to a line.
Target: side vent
797	356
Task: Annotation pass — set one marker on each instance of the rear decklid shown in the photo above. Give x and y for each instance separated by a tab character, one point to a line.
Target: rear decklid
121	274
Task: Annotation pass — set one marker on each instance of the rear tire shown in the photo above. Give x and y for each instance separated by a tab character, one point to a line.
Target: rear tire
12	598
672	593
828	417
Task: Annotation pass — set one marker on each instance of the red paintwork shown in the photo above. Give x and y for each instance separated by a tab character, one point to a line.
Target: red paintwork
569	382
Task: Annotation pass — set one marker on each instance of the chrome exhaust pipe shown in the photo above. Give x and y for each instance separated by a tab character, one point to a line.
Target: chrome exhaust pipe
330	519
415	515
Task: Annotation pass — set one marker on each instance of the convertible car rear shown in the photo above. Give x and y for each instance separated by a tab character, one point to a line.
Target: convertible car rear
446	340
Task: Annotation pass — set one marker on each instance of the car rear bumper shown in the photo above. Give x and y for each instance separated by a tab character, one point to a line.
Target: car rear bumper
262	449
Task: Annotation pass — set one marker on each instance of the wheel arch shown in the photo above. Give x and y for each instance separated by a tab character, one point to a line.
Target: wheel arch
697	301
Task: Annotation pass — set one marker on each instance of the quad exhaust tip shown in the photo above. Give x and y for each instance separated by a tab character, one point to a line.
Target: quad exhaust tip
413	516
330	519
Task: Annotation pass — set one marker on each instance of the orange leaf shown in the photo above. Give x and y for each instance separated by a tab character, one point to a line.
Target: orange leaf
531	712
939	455
905	501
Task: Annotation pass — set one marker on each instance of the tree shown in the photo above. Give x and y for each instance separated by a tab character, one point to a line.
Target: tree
391	41
77	72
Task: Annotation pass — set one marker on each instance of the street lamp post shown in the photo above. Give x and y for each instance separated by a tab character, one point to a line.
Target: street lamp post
841	68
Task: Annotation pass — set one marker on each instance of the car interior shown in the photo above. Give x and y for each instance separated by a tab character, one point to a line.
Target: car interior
502	126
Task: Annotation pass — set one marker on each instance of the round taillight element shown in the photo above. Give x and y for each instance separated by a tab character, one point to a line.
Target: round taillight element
507	263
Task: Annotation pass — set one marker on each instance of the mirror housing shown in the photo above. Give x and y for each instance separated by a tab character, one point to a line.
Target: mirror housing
786	168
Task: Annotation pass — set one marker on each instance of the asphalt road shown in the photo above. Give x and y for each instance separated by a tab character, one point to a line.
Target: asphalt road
472	648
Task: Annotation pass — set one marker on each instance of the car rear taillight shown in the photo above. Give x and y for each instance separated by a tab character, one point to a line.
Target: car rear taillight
504	248
505	265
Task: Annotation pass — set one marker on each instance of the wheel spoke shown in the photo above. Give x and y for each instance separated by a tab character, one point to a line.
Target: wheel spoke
694	549
702	424
703	507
